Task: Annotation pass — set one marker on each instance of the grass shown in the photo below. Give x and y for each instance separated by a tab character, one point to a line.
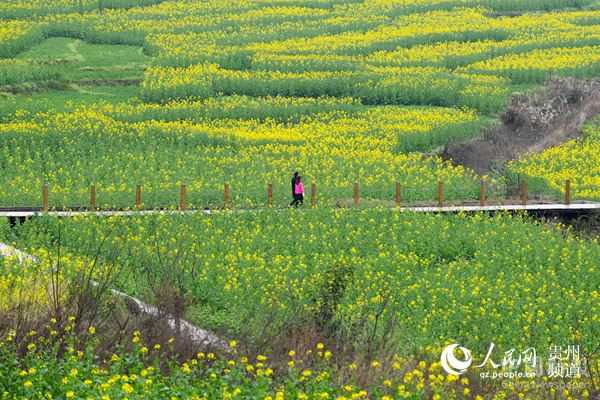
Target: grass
64	100
78	60
90	73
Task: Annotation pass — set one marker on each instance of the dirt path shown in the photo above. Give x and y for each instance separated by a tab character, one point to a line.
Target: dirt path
532	124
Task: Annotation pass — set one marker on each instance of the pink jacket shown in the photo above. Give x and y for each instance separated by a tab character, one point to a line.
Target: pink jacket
299	188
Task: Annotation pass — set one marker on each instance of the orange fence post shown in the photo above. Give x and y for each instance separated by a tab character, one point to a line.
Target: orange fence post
313	195
182	193
226	195
568	192
482	193
356	194
45	206
138	196
270	194
93	197
441	193
398	197
524	192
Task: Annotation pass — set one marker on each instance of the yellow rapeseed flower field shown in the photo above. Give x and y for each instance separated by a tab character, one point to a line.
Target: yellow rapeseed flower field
577	161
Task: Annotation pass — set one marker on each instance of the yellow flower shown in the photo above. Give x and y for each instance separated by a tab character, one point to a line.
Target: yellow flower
28	384
185	368
127	388
70	394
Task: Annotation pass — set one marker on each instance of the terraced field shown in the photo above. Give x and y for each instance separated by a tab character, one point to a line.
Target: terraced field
311	68
325	303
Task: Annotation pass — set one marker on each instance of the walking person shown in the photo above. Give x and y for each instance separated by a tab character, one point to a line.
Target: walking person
294	182
298	192
294	188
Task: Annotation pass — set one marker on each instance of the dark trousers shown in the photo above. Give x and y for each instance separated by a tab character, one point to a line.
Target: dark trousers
298	200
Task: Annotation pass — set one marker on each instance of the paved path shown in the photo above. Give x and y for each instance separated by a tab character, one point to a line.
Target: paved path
197	335
559	208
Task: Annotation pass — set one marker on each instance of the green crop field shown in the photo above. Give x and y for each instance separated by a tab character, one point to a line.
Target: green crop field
323	302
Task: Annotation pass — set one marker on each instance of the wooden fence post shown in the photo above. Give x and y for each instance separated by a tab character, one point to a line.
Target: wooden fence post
398	197
182	194
138	196
356	194
270	194
441	193
482	193
93	197
45	205
313	195
226	195
568	192
524	192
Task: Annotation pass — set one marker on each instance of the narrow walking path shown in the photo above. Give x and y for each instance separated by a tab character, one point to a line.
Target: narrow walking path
546	207
196	335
